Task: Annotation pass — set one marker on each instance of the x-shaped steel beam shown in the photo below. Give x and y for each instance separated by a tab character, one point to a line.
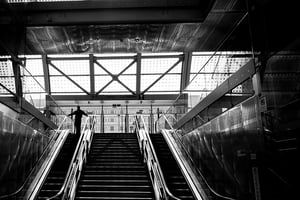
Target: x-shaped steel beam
115	77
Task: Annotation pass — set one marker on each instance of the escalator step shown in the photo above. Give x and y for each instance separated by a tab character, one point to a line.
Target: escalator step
58	171
174	178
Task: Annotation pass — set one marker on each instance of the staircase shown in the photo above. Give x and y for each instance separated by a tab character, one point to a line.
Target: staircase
174	178
59	170
115	170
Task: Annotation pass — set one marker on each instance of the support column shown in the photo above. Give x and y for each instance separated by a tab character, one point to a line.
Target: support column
151	125
92	75
46	74
18	83
138	74
256	83
126	120
102	120
185	72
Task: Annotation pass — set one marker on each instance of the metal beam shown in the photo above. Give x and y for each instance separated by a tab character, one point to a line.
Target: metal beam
46	74
105	86
18	81
186	69
111	97
102	67
69	78
138	74
244	73
52	58
92	74
108	12
115	77
151	85
115	16
33	5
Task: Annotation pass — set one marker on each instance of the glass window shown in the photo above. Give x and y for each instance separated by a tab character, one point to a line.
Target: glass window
167	83
70	67
62	84
33	85
101	81
115	66
9	83
35	67
7	77
6	68
159	65
208	70
115	87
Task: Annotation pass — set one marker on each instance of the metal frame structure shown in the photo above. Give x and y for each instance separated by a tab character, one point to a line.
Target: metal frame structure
95	61
139	66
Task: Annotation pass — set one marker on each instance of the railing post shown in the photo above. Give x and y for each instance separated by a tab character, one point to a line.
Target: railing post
255	176
102	120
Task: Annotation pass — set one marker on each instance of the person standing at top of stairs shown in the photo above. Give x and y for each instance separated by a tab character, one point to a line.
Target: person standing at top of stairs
78	115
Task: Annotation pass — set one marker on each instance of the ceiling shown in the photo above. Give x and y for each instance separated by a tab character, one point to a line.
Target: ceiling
132	26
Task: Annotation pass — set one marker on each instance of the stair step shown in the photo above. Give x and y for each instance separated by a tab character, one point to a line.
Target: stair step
115	170
115	198
109	193
105	156
116	187
116	159
115	164
113	177
140	167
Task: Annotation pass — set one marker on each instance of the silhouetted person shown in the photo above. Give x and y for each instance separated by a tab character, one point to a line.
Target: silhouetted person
78	115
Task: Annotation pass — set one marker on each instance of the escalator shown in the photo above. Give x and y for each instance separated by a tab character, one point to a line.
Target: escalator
57	174
280	174
172	173
115	170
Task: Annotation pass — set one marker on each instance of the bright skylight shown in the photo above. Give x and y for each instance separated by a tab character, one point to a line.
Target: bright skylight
6	77
207	72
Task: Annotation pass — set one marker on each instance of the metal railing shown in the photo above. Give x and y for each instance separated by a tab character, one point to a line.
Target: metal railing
68	189
159	184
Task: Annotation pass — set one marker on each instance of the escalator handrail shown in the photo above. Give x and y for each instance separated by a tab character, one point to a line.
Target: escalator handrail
160	173
33	169
199	172
71	166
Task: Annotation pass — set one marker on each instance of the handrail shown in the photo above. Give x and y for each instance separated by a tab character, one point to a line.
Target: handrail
151	148
34	168
199	172
80	143
30	120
